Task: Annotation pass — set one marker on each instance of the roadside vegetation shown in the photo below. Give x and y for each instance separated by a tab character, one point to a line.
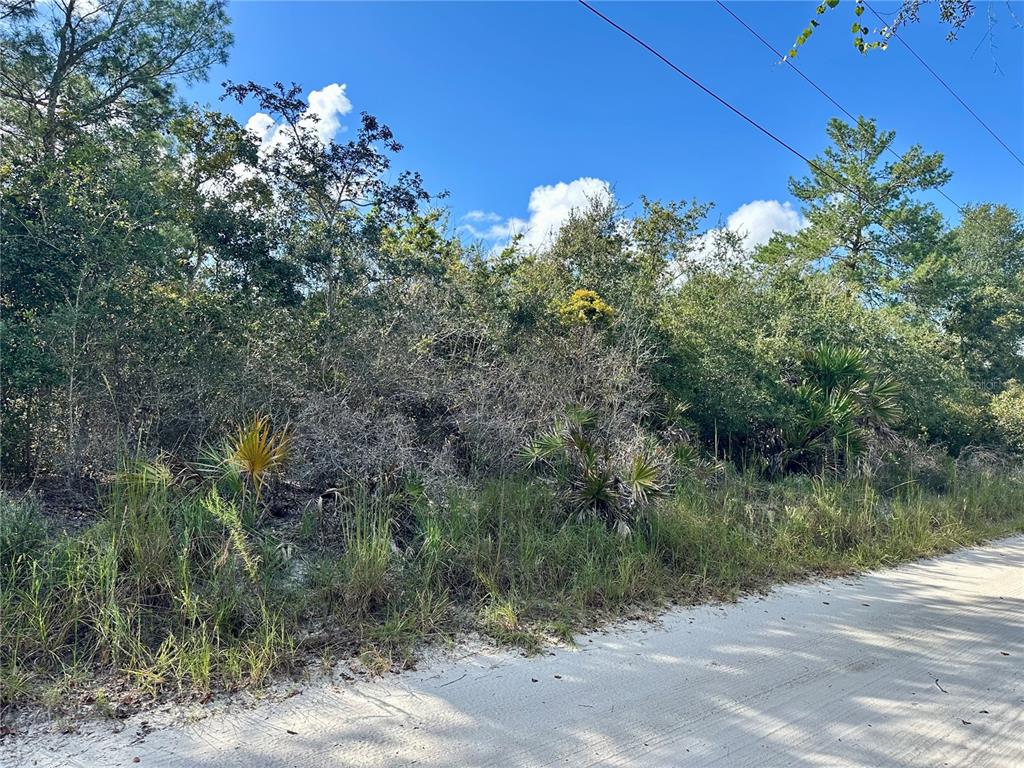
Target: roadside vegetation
183	590
262	406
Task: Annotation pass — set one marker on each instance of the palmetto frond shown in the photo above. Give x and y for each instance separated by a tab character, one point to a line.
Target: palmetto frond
544	447
843	409
594	480
841	396
581	444
593	491
834	367
257	451
580	416
816	414
643	477
687	456
882	399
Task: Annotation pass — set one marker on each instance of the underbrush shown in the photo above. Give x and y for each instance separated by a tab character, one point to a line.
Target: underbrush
184	591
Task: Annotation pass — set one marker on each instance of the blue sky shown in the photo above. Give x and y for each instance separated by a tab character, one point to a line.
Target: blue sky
495	100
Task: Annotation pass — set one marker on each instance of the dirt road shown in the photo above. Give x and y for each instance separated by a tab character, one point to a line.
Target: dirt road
921	665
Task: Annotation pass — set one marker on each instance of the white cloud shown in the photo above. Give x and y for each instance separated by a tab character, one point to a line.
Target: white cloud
259	125
758	220
498	230
549	208
323	116
481	217
755	223
329	104
550	205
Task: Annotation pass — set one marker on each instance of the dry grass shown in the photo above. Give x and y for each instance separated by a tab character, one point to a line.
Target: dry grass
175	591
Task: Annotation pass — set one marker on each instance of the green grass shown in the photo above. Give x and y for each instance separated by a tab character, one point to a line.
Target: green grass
180	590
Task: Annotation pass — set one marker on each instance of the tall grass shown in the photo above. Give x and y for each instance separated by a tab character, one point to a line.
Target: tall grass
181	590
161	591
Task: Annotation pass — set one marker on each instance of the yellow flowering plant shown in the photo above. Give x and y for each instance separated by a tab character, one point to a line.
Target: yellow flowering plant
584	307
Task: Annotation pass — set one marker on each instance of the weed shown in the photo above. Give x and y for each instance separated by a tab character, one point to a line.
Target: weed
173	589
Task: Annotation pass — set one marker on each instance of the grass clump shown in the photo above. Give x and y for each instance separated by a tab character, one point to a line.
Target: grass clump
162	591
173	591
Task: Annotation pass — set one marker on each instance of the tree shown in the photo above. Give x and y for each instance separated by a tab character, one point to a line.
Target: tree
225	209
864	222
85	93
106	65
15	9
335	196
974	288
1007	409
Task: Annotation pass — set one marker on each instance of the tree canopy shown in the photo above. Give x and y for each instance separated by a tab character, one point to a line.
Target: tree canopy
168	272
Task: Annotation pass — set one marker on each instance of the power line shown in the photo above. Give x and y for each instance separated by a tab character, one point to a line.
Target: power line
814	85
824	171
893	33
668	62
786	59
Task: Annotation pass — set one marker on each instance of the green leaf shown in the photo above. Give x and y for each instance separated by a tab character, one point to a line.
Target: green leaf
832	3
858	10
580	416
544	447
643	478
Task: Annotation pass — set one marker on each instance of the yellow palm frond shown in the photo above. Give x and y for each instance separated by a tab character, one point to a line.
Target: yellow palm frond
258	451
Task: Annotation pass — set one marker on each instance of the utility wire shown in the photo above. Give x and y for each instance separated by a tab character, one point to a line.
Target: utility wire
786	59
946	85
718	98
814	85
824	171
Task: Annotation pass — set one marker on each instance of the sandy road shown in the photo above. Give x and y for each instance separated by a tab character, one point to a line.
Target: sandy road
921	665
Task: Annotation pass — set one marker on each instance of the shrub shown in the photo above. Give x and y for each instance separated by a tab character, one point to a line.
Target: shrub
841	401
584	308
1007	409
594	478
